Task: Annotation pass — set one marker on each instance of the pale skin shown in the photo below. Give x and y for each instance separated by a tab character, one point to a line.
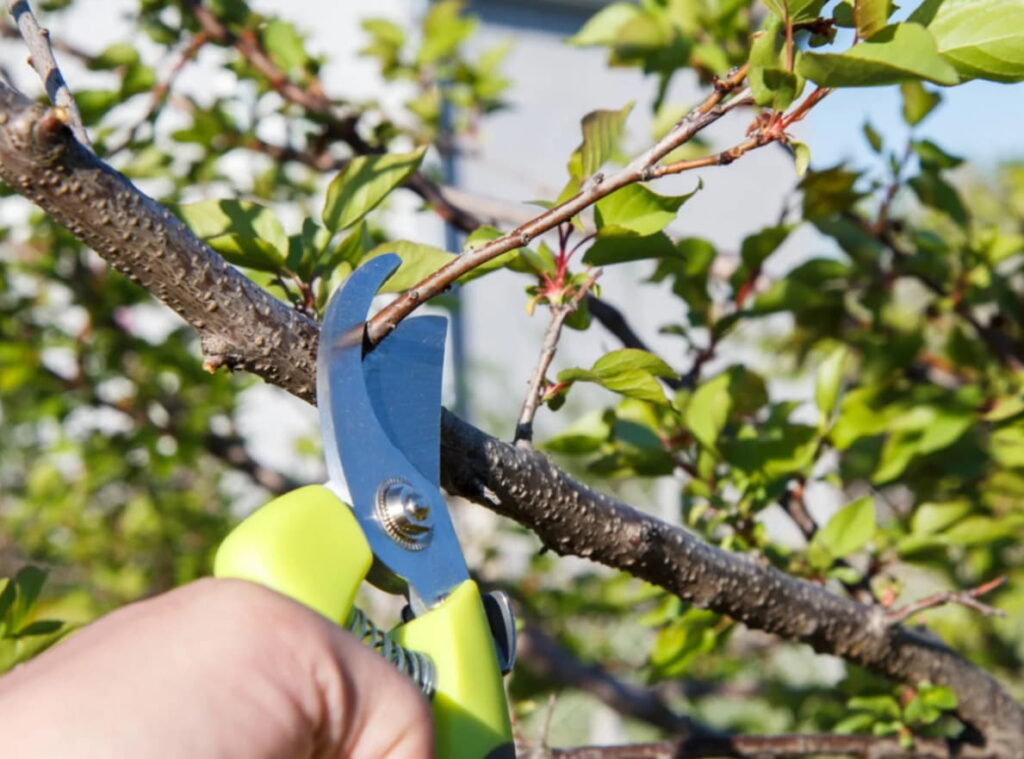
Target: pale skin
219	668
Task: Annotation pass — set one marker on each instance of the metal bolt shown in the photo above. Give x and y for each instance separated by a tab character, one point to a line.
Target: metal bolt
404	514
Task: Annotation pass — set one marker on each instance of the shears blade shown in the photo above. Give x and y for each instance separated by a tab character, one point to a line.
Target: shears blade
380	422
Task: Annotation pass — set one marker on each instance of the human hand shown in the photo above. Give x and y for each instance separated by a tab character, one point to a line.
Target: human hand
218	668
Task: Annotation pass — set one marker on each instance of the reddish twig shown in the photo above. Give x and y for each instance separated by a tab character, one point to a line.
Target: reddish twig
968	598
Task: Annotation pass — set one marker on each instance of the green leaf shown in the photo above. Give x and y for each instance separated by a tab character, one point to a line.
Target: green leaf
248	252
708	411
364	183
603	27
638	209
602	131
898	53
982	39
878	706
828	381
444	28
626	359
114	56
934	157
849	529
934	191
629	372
586	435
8	595
418	261
796	10
214	218
918	102
871	16
873	137
801	158
617	244
285	45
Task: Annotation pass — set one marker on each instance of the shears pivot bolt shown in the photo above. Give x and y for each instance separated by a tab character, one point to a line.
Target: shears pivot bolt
404	514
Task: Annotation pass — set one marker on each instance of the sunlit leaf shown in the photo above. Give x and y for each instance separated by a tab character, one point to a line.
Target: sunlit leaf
364	183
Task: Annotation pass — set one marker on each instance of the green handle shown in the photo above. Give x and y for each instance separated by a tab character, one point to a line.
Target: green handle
308	545
470	712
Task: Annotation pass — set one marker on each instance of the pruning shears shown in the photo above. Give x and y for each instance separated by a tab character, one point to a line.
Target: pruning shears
381	517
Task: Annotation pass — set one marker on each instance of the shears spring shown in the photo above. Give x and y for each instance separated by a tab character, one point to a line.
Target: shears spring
414	664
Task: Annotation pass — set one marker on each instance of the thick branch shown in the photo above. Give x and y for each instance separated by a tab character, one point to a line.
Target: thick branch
780	747
241	325
244	327
577	520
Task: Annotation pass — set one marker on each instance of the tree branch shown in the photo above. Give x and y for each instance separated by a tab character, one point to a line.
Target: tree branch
37	39
779	747
243	327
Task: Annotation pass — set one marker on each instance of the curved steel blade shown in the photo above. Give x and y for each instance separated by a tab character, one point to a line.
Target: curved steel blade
359	449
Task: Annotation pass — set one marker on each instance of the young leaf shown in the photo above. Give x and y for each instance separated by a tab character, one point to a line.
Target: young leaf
982	39
603	27
898	53
849	529
629	372
602	131
364	183
934	191
617	244
870	16
638	209
828	381
212	218
917	102
249	252
801	158
708	411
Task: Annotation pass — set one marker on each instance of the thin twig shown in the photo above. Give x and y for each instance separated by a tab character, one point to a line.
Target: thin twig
968	598
37	39
559	313
159	94
640	169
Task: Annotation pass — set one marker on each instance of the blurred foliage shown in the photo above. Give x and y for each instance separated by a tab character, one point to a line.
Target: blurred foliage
902	321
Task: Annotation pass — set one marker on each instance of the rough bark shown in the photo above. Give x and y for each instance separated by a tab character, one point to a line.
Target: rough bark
243	327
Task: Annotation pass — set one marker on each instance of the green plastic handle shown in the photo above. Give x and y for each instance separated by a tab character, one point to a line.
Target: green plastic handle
308	545
470	712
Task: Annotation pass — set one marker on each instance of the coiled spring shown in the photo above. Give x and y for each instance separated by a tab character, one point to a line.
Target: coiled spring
414	664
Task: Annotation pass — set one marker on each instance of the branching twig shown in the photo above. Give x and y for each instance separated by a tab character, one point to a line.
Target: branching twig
968	598
158	96
535	394
37	39
640	169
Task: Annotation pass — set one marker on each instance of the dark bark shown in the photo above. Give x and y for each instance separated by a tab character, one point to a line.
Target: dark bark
243	327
